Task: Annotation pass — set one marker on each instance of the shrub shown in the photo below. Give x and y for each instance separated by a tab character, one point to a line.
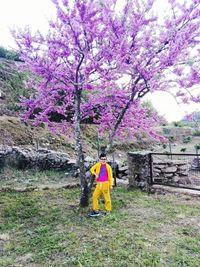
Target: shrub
197	146
166	130
187	139
9	54
16	85
2	52
196	133
177	124
183	149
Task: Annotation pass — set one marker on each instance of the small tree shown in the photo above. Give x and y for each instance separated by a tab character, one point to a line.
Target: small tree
97	62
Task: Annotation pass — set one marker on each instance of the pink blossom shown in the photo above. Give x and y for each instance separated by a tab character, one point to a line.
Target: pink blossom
111	60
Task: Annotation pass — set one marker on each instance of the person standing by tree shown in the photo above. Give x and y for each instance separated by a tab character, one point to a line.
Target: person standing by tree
104	178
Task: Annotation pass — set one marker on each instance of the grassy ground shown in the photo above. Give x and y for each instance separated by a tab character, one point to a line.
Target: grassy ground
13	178
48	228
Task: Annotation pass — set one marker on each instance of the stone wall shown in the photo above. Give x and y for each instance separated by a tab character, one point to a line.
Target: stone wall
42	159
170	171
166	171
139	169
22	158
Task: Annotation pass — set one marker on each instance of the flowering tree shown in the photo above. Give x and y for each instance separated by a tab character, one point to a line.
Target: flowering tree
194	118
98	61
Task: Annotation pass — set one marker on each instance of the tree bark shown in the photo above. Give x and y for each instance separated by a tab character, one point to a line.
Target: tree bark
121	116
84	198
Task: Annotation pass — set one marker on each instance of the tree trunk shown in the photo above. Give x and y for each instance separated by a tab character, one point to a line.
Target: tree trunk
120	117
118	121
84	198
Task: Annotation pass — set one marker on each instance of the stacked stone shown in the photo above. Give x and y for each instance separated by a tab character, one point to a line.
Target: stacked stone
122	171
170	171
22	158
139	169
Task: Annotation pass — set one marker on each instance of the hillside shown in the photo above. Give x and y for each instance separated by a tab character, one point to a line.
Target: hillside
12	130
15	132
11	86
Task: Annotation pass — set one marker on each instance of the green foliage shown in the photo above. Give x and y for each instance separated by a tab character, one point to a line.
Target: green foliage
16	85
197	146
149	107
14	106
183	149
9	54
178	124
187	139
166	131
197	133
164	146
2	52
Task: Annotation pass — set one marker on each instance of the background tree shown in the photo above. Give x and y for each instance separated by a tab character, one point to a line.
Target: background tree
9	54
99	61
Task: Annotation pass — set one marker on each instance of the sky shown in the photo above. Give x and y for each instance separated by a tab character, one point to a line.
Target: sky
35	13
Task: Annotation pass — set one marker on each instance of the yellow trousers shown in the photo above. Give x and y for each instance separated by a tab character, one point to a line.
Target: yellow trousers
102	188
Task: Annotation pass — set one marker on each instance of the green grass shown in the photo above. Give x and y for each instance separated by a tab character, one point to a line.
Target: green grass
15	178
48	228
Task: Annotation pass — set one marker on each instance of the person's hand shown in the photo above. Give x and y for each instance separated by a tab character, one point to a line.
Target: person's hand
111	188
96	176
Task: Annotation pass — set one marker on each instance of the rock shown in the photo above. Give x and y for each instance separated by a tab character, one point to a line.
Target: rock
124	178
156	170
4	237
72	161
158	180
177	162
183	168
120	175
123	169
170	170
88	158
182	173
159	162
168	175
123	182
87	165
88	174
2	95
23	158
176	179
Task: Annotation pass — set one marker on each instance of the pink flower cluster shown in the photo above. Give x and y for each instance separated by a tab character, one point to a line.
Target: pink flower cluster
112	60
